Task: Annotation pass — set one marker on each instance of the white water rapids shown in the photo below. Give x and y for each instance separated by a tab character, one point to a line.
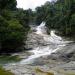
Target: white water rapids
55	43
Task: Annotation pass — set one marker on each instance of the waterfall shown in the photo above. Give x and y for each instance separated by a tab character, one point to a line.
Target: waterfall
55	43
41	29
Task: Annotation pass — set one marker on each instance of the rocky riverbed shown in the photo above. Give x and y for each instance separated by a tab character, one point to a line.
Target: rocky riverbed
50	55
46	64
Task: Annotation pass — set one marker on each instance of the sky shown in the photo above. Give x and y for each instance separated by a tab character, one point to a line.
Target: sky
25	4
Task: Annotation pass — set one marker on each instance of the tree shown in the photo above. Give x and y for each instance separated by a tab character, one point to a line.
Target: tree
13	27
8	4
14	33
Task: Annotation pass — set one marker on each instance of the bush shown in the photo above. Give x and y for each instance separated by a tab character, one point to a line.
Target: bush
12	36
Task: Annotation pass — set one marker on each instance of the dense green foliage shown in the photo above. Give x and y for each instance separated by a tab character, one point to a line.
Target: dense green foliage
8	4
59	15
13	26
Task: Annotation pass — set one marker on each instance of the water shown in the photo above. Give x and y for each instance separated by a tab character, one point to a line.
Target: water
41	29
55	43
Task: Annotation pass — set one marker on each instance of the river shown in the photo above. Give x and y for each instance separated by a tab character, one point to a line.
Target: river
54	43
49	53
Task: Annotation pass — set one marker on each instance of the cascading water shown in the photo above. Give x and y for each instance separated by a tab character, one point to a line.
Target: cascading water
55	43
41	29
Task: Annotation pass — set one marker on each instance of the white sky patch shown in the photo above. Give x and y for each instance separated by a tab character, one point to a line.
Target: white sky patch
25	4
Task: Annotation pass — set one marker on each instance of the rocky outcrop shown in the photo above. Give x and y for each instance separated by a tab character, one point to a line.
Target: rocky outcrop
67	53
35	40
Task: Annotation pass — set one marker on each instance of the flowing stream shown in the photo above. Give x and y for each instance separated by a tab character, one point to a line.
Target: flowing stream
54	43
50	53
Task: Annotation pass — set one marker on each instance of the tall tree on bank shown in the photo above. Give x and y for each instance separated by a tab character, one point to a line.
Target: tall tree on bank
13	27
